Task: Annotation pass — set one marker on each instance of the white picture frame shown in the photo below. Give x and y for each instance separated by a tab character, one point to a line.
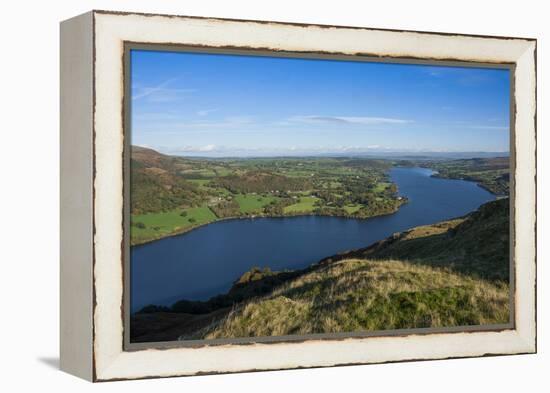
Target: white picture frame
93	191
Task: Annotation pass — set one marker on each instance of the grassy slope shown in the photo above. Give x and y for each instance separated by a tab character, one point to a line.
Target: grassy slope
448	274
304	205
252	203
158	225
352	208
476	245
358	295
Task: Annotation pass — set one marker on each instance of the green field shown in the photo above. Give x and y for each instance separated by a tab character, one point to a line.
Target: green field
223	171
156	225
305	205
252	203
380	187
208	173
352	208
202	183
163	186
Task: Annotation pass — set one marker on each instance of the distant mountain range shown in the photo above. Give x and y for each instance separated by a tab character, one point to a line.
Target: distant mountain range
368	153
420	155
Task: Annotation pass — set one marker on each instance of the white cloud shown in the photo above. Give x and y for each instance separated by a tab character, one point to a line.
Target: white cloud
197	149
206	112
226	151
208	148
362	120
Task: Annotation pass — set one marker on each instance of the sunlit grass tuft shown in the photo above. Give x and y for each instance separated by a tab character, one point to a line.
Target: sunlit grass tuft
362	295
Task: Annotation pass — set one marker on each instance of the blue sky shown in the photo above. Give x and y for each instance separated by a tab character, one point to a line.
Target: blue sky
229	105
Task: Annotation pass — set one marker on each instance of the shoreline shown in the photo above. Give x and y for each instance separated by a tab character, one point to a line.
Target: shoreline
404	200
195	227
434	174
437	175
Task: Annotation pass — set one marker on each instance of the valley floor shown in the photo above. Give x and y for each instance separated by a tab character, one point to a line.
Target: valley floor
172	195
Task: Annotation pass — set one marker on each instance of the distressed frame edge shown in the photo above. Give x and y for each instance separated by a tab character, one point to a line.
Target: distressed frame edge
526	136
304	24
126	128
527	340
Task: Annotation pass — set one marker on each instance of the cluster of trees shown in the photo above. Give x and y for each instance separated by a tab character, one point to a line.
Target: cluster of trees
331	211
151	193
361	185
360	191
276	208
226	209
261	182
142	225
490	173
495	182
375	207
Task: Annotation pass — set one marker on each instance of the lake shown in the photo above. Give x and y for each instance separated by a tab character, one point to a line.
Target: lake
205	262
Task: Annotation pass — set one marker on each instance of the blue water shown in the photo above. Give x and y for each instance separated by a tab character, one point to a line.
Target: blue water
204	262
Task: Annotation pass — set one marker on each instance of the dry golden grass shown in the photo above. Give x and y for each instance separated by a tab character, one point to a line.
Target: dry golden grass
363	295
433	229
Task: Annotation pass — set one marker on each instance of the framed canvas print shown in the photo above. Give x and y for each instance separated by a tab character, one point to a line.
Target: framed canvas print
245	195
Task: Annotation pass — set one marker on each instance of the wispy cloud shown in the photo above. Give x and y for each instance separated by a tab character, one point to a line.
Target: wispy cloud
212	150
222	150
161	92
474	79
483	127
146	91
200	149
362	120
461	77
206	112
168	125
434	72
